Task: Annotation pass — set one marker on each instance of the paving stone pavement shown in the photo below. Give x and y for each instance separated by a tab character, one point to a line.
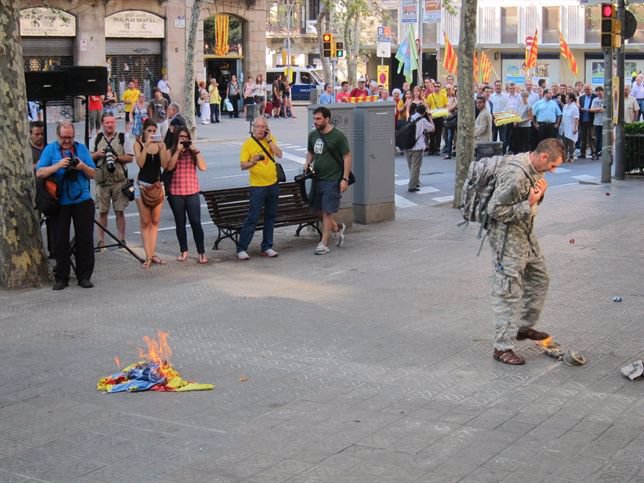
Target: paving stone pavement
370	364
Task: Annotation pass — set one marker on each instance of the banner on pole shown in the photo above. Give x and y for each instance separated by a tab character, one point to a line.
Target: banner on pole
432	11
408	11
383	75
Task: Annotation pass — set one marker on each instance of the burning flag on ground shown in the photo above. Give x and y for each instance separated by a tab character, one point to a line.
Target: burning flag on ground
154	373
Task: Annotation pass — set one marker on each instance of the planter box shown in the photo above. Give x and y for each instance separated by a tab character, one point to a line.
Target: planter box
633	152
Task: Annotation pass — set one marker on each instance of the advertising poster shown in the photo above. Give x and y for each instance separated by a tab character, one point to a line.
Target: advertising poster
514	71
432	11
408	11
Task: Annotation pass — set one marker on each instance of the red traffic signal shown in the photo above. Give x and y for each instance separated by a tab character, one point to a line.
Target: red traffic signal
607	10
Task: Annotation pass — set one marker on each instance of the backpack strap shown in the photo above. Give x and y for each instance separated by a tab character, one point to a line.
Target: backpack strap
98	139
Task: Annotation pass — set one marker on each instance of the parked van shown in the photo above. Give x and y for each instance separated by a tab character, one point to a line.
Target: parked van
303	80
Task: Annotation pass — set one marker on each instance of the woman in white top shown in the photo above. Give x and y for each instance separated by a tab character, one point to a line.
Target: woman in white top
520	142
249	89
204	103
259	93
569	126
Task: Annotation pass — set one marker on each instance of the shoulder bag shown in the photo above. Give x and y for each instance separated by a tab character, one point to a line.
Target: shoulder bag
281	176
352	178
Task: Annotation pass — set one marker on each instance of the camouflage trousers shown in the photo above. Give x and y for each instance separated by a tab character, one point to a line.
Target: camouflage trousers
519	290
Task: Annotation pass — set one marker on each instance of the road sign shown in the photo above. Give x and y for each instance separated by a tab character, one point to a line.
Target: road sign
383	75
383	41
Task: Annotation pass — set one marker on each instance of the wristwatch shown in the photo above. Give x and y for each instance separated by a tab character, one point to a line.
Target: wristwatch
345	179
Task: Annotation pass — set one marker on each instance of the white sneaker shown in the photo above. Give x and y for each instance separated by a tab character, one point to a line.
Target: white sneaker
242	255
270	253
321	249
339	235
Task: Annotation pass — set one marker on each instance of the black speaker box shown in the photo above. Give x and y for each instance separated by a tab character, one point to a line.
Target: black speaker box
46	86
86	80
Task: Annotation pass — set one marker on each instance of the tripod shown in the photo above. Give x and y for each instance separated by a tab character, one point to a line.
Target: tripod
118	243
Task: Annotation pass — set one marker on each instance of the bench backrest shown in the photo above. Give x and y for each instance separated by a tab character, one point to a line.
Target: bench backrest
229	207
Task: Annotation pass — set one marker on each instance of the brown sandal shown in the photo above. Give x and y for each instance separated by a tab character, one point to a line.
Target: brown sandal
508	357
532	335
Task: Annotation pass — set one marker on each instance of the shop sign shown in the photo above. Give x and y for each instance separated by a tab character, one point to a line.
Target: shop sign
134	24
46	22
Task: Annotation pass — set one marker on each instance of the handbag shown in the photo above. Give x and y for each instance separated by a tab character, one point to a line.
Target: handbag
281	175
352	178
152	194
228	105
451	120
166	179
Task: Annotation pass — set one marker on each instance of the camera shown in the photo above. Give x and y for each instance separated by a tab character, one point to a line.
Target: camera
261	157
156	138
110	160
73	162
186	144
128	189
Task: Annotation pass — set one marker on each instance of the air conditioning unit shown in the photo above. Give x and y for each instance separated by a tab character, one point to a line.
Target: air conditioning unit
311	27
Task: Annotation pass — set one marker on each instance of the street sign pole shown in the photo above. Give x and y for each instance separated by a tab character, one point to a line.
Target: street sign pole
607	145
420	43
619	128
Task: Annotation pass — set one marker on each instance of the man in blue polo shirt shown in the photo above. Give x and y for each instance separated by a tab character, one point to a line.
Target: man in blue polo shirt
547	116
71	165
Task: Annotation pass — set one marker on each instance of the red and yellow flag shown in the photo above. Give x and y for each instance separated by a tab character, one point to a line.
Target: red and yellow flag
450	60
531	54
566	53
475	63
486	67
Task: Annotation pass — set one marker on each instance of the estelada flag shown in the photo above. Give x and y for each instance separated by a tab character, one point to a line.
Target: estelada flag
566	53
450	61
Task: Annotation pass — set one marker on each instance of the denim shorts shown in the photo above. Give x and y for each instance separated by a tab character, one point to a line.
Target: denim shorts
326	195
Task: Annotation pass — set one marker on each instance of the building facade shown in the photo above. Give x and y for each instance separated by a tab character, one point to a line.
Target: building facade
142	40
503	26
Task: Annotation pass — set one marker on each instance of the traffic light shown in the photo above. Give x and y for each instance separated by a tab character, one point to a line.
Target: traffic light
327	41
608	15
339	50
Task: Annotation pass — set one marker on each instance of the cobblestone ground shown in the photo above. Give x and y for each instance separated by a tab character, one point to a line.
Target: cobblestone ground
370	364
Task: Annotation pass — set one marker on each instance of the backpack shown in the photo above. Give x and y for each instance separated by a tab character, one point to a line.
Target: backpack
100	136
478	189
406	134
47	194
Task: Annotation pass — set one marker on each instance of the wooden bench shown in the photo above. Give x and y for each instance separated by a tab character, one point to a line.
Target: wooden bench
228	209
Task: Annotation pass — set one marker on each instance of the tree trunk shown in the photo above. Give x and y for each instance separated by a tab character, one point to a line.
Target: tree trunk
22	259
189	87
465	137
323	24
352	33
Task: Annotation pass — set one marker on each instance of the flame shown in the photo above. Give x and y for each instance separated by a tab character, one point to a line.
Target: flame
545	343
158	351
117	361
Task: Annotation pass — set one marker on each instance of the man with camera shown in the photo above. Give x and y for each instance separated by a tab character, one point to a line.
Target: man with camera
70	164
112	150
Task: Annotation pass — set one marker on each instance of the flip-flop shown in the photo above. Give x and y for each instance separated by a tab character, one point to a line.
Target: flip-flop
202	259
145	265
182	257
157	260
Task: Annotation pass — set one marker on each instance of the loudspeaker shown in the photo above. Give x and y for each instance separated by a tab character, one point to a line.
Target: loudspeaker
46	86
86	80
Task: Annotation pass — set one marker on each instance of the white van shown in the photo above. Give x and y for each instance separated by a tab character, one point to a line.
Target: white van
303	80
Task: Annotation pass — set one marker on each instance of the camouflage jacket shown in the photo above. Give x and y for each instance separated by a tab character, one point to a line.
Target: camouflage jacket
509	207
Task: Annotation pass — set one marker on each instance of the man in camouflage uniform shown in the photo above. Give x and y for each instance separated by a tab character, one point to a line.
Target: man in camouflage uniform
520	280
